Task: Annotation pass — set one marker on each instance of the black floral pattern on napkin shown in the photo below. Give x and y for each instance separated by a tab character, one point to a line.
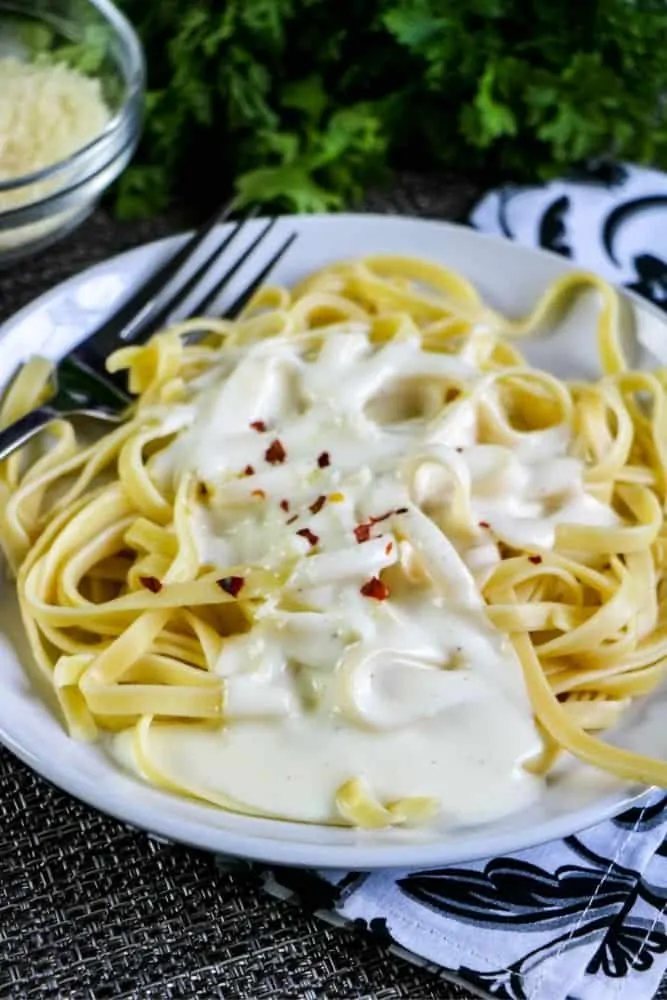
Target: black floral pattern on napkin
645	817
552	233
612	234
510	891
609	915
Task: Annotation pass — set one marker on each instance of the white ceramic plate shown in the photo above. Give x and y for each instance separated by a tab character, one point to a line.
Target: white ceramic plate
510	277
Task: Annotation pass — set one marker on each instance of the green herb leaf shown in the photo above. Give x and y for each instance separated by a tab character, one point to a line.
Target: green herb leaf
301	104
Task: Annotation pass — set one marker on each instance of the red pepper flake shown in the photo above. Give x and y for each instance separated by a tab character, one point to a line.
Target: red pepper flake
317	506
275	454
231	585
536	560
362	532
388	547
248	471
292	519
151	583
382	517
375	588
484	524
284	505
258	425
308	535
323	459
258	493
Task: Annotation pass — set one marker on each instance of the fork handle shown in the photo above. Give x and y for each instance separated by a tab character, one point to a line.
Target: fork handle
22	430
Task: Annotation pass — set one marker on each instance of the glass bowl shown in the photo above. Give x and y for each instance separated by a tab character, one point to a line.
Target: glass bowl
39	208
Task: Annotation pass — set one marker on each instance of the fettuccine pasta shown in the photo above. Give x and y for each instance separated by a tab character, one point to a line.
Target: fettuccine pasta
350	559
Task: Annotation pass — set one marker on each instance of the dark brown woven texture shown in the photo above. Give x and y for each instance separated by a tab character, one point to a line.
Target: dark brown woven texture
90	909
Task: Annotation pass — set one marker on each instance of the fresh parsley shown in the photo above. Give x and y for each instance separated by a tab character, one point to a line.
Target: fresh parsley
300	104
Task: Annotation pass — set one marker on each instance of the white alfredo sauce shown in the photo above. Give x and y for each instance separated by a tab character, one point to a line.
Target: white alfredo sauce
417	693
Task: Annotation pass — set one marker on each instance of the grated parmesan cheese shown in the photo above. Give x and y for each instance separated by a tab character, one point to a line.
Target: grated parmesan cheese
47	112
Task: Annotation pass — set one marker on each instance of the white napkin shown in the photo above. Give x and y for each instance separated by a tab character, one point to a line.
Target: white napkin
577	919
612	221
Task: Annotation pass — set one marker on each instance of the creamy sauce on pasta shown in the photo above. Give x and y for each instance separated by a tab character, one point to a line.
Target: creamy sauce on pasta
333	468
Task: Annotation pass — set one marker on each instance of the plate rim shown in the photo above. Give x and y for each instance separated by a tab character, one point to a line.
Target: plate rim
164	825
175	830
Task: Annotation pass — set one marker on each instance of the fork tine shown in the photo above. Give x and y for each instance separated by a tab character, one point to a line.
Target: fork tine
242	300
155	320
106	338
210	297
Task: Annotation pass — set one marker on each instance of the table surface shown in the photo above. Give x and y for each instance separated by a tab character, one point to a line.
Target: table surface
90	908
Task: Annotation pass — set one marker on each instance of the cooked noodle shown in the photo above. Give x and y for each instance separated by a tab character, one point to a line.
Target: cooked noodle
128	621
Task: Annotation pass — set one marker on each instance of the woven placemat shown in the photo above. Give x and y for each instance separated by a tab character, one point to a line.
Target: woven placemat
92	909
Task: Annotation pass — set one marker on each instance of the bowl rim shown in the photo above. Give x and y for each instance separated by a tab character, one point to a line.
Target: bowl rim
135	87
44	208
